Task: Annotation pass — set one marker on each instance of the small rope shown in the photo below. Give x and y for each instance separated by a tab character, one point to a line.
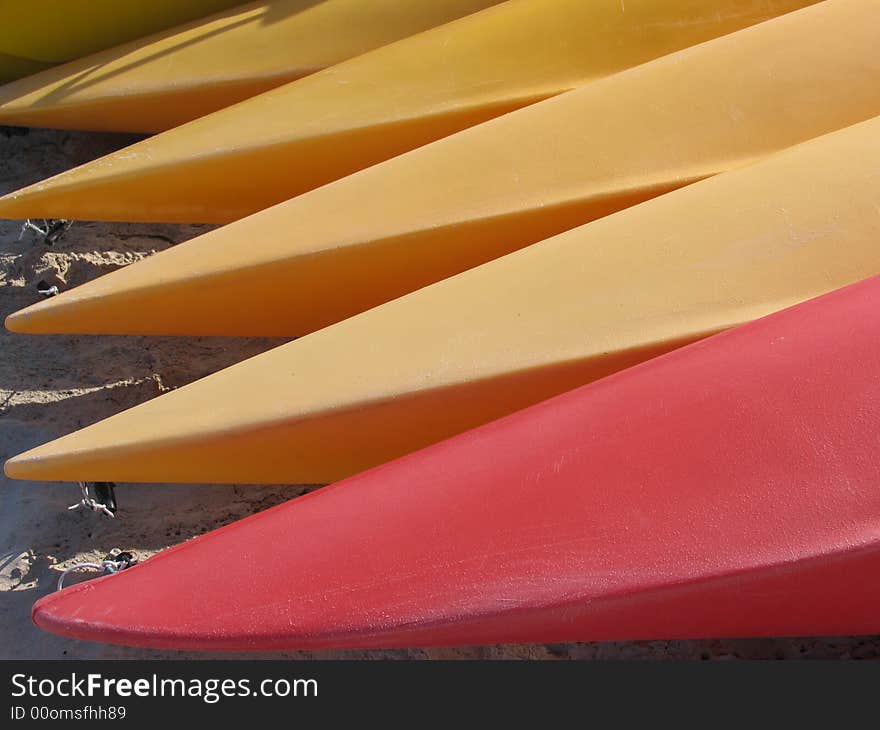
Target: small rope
91	503
113	563
29	225
106	565
52	230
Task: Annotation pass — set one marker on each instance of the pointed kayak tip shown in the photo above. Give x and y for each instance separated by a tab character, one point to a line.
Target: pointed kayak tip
72	312
17	467
34	319
44	617
14	322
8	113
40	463
52	613
13	114
55	198
76	613
24	203
20	321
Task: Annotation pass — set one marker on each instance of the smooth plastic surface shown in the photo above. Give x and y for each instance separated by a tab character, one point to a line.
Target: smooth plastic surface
302	135
54	31
165	80
727	489
508	334
487	191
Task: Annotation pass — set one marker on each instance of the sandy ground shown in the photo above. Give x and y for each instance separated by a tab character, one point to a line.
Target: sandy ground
51	385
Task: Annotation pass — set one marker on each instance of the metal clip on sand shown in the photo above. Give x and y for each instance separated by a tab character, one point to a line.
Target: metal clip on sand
115	561
46	290
104	500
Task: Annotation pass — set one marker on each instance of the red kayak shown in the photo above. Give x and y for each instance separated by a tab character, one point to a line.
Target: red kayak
730	488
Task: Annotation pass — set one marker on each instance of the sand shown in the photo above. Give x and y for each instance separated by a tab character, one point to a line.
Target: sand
52	385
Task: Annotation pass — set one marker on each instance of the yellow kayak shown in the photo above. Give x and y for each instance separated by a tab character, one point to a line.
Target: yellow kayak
512	332
302	135
54	31
163	80
489	190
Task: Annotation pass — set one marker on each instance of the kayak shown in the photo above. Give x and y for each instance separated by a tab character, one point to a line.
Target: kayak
54	31
728	489
508	334
300	136
486	191
164	80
